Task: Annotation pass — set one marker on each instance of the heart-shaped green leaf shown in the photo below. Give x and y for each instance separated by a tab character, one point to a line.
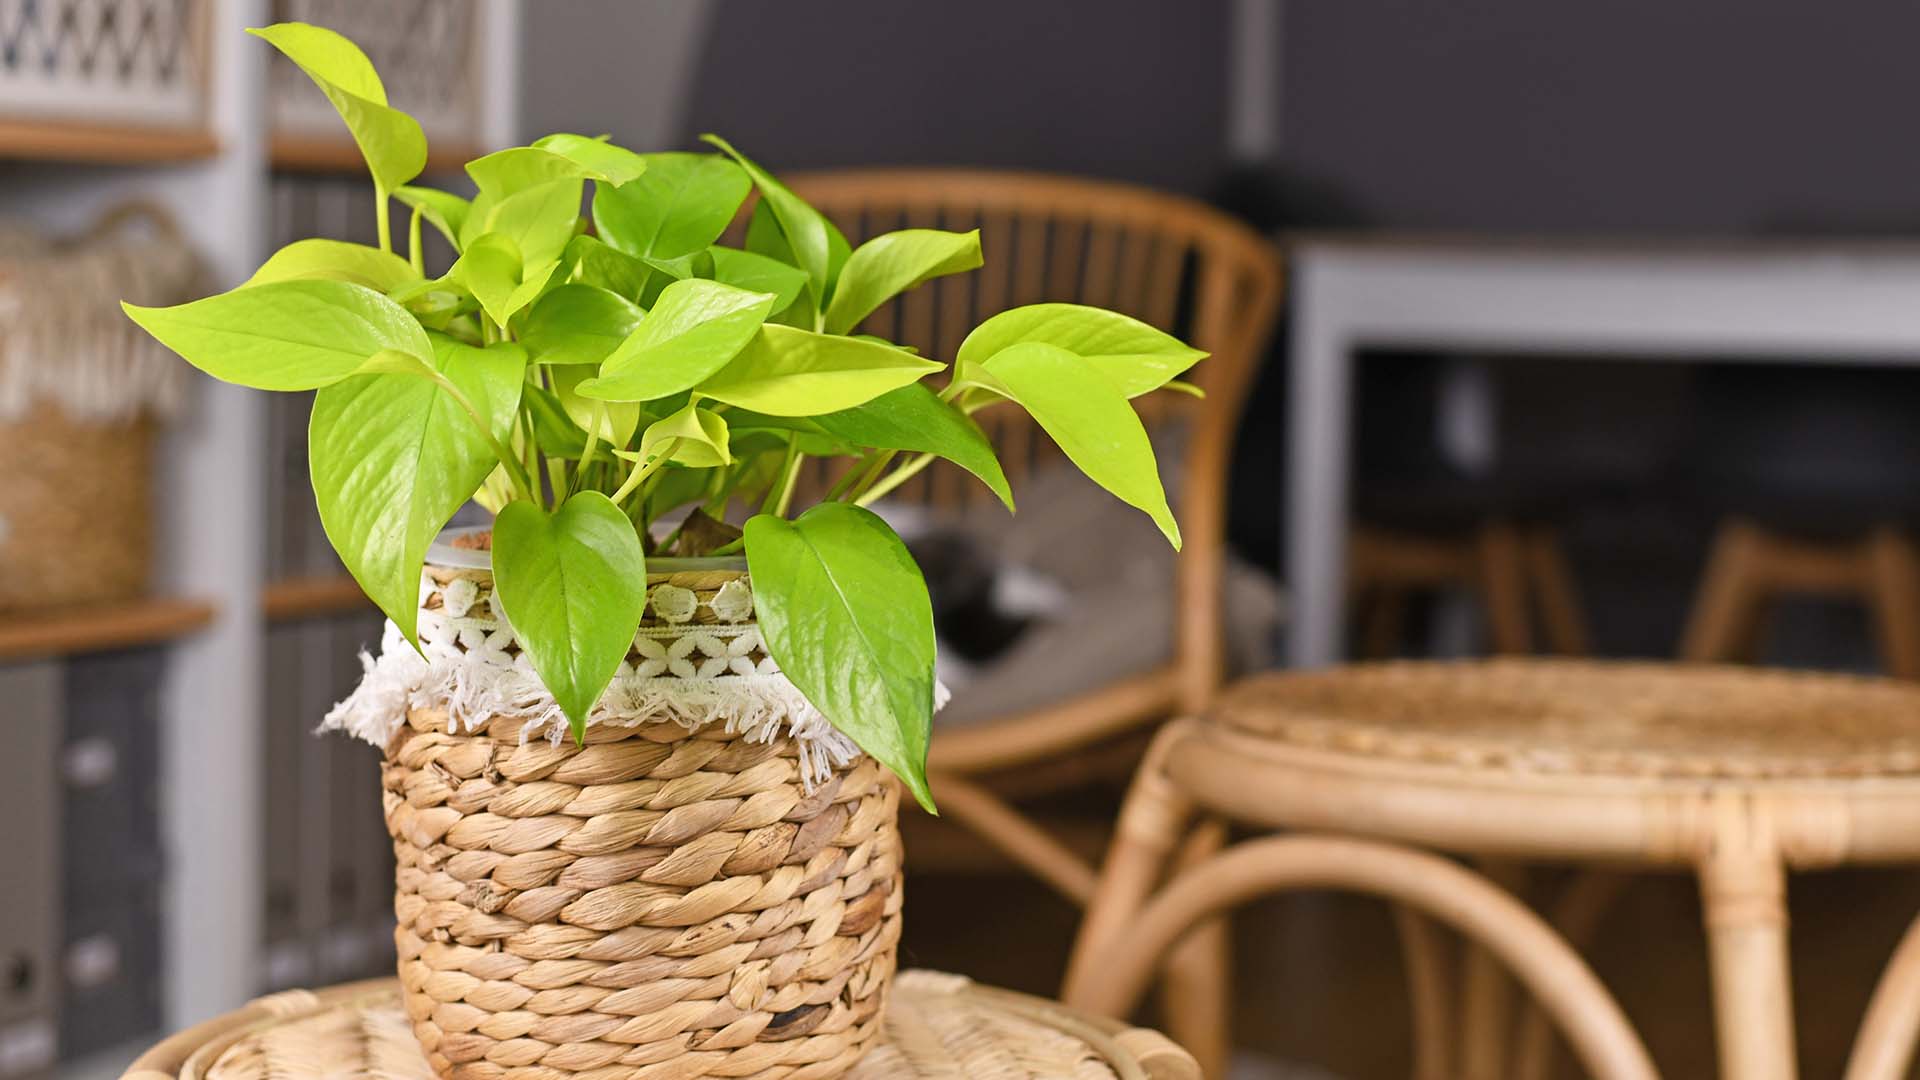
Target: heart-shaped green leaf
518	168
491	269
289	335
1087	415
588	261
758	273
390	140
914	418
844	612
692	331
693	436
682	203
578	324
335	260
890	264
1135	356
444	211
788	372
573	584
540	220
394	454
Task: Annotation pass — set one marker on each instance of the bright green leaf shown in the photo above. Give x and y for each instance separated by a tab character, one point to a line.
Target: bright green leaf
692	331
540	220
393	455
758	273
578	324
588	261
554	430
443	210
1087	415
789	372
602	159
490	268
573	584
614	422
1137	357
694	437
335	260
914	418
806	231
289	335
390	140
682	203
844	612
890	264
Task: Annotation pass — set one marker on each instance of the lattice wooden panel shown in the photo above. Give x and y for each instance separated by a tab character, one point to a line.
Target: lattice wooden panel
104	61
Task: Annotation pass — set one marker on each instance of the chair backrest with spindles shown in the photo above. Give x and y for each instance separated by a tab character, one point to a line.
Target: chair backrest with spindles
1166	260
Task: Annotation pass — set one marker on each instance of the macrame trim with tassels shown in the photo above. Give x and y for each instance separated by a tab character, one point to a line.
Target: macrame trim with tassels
697	661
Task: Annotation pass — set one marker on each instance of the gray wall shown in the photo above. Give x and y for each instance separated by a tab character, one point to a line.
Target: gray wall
1633	115
1132	90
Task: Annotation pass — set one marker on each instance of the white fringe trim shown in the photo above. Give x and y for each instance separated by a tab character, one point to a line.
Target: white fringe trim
475	690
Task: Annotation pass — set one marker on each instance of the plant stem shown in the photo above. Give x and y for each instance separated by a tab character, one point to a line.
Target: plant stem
380	218
868	477
414	254
782	488
641	472
900	476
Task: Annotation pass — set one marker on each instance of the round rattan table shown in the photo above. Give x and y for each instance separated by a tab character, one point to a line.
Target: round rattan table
937	1026
1737	774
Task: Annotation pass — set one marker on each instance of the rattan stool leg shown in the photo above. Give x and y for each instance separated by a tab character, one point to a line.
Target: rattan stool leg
1562	617
1726	611
1197	993
1743	894
1896	600
1424	950
1884	1047
1152	821
1503	586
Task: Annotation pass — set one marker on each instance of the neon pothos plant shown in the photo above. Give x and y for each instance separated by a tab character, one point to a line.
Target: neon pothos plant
591	383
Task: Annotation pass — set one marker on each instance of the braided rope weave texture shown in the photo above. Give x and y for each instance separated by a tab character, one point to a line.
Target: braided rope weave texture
655	905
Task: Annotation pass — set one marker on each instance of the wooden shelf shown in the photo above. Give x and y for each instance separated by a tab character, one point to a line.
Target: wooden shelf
54	140
63	631
307	154
305	598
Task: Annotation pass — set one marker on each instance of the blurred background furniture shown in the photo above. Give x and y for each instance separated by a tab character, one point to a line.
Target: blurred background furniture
1811	475
1671	300
1736	775
937	1026
1049	717
1434	520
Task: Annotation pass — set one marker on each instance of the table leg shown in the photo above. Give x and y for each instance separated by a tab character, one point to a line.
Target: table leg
1320	386
1743	894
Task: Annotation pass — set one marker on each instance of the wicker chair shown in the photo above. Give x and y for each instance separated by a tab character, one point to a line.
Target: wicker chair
1168	261
1739	775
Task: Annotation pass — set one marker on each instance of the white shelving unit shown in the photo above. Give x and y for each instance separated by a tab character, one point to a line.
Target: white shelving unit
60	168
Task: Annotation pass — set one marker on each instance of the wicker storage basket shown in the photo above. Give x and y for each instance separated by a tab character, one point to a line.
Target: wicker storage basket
667	893
80	390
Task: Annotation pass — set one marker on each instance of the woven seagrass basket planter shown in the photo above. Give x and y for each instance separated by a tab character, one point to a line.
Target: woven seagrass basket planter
680	897
81	392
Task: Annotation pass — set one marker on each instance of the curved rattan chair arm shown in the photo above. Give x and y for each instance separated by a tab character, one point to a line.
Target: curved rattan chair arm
1040	734
1592	1022
1884	1047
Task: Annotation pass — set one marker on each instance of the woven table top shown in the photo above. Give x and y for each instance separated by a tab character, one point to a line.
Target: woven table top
1584	718
937	1025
